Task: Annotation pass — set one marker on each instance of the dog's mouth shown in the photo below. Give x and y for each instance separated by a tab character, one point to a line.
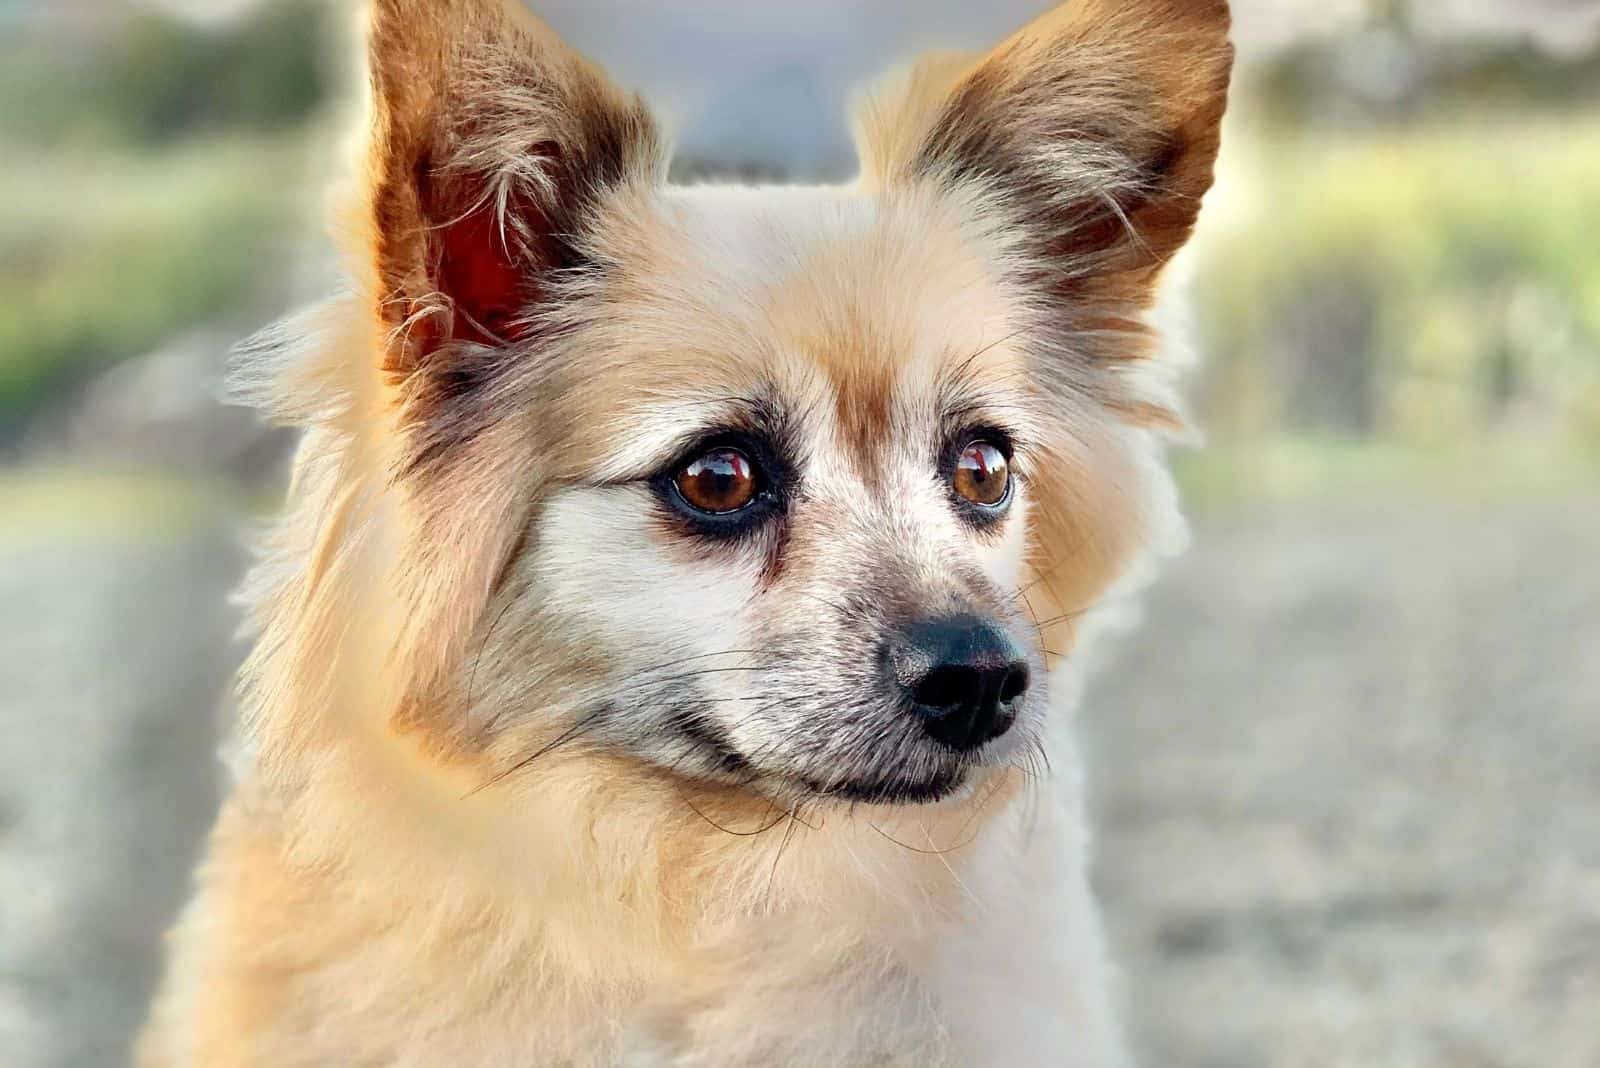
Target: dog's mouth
722	763
719	761
893	790
896	769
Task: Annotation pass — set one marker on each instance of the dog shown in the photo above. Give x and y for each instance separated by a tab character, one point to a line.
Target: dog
668	652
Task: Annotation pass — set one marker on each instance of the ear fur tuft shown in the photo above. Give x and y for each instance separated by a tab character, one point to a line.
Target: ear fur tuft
492	140
1097	125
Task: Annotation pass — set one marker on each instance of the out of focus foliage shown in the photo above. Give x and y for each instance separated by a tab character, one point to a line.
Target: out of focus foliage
153	78
1422	283
1386	74
102	263
1399	261
152	183
1400	265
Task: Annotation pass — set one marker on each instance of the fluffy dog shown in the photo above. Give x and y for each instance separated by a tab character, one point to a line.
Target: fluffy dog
668	652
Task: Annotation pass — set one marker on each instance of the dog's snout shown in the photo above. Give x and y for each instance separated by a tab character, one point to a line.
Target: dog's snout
963	676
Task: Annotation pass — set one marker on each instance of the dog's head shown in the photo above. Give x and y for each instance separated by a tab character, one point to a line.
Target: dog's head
802	489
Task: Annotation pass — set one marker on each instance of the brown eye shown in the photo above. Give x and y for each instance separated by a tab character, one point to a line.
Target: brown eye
982	475
721	481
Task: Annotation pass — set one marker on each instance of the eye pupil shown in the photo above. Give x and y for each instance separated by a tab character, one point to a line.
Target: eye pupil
722	480
982	474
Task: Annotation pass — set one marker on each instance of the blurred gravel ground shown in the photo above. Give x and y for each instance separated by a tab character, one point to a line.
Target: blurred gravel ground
114	652
1348	772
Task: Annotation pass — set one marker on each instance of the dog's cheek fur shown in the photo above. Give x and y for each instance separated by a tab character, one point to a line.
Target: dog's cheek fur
493	148
614	645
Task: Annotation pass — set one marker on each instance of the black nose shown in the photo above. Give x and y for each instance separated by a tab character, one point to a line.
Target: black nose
963	676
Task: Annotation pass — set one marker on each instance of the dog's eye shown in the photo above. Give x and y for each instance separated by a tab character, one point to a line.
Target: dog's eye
721	481
982	475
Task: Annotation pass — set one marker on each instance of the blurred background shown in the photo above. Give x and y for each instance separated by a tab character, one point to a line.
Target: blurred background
1347	772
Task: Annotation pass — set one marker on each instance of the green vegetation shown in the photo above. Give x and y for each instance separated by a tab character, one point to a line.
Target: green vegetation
1414	288
1428	287
154	79
154	179
53	503
103	260
1291	467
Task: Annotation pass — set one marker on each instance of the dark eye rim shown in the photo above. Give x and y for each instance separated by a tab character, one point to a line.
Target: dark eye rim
980	515
766	503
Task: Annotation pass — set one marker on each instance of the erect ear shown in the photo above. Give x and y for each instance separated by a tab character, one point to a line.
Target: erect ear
491	141
1096	126
494	149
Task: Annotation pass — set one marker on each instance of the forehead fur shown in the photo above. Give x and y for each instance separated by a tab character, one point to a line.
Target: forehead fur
817	294
867	315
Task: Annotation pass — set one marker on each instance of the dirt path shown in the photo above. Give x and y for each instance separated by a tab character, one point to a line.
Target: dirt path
113	654
1349	778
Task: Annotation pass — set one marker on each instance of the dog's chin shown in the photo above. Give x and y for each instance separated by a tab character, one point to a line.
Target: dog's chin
793	786
893	790
710	760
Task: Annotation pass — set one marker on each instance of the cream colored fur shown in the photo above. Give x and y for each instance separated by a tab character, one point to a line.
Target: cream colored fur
389	885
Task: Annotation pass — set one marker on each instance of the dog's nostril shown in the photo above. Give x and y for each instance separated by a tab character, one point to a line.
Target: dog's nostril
1015	684
963	676
945	686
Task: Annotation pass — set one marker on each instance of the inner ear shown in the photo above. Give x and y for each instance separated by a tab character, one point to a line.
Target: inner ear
490	258
1137	219
494	145
1096	126
486	282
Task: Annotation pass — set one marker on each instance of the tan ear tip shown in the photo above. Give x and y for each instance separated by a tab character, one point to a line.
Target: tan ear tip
1211	17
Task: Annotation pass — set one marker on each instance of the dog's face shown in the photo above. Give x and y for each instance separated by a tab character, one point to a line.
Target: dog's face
789	538
799	489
